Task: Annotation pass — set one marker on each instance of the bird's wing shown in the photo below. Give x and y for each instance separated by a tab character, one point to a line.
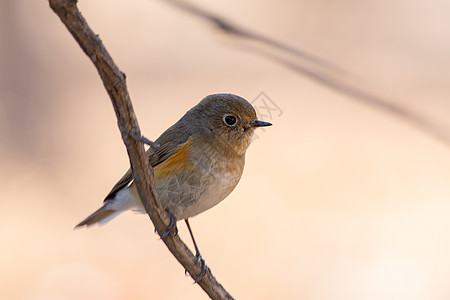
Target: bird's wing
169	145
123	182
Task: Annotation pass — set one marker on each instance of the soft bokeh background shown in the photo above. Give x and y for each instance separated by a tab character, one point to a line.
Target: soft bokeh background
338	200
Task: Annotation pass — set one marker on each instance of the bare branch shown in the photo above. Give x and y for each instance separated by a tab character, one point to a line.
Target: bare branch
428	126
234	29
317	71
114	82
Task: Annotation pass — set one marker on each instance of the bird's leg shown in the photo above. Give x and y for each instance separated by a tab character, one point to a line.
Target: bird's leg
172	228
198	256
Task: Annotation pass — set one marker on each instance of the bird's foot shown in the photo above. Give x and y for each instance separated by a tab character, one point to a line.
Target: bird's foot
172	229
204	267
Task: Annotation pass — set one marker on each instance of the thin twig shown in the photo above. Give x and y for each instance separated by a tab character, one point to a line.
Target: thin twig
228	27
114	82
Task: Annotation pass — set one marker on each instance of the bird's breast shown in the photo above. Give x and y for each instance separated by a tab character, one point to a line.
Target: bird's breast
199	183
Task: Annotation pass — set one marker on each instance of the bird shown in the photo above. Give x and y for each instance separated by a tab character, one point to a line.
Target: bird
198	162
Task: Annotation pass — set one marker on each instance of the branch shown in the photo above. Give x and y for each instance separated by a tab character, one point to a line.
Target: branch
114	82
233	29
317	71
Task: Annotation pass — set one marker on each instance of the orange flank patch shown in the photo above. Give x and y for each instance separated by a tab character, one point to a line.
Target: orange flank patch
178	161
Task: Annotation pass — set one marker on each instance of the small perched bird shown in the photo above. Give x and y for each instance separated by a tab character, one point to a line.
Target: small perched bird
199	161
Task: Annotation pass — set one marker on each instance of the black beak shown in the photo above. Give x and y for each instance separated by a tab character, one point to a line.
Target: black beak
259	123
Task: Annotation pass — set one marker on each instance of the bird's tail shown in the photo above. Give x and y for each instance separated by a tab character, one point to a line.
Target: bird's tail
101	216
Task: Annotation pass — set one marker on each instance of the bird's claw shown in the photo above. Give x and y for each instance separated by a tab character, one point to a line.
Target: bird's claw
204	267
172	228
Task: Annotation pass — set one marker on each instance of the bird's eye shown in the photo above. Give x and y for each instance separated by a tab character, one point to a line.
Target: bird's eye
230	120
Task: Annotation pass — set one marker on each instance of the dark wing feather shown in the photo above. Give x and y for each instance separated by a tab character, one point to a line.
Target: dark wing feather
123	182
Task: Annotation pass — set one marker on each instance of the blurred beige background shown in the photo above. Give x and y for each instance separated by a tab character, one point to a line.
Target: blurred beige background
338	200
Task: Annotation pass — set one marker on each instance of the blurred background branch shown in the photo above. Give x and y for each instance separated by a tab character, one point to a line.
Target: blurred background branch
114	82
316	68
